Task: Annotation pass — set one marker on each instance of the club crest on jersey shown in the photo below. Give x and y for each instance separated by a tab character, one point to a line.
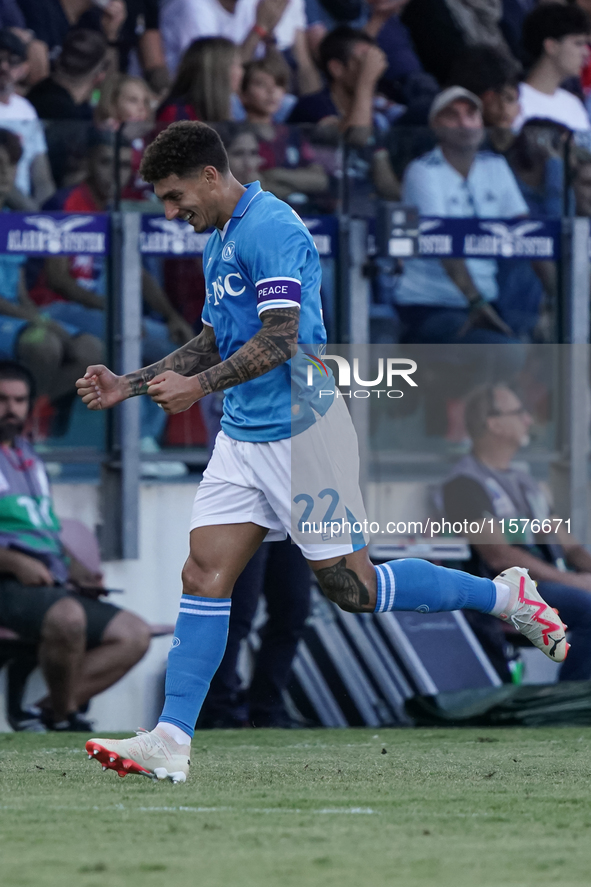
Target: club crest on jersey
228	251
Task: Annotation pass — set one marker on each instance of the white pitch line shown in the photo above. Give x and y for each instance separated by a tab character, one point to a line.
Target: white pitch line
181	809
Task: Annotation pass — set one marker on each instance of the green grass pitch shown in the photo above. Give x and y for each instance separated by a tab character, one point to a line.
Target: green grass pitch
263	808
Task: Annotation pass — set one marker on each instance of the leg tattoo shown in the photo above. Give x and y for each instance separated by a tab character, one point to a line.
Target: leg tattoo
343	586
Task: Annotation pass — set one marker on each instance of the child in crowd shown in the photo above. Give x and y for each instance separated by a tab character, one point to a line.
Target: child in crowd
124	99
126	102
288	166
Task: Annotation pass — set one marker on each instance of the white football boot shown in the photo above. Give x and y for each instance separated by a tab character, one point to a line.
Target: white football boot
153	754
529	613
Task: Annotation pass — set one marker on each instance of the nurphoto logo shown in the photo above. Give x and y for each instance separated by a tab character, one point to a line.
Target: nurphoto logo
388	370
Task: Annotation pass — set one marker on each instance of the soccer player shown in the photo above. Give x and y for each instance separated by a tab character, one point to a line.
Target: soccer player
263	298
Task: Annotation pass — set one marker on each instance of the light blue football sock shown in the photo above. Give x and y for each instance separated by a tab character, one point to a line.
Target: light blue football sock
414	584
198	646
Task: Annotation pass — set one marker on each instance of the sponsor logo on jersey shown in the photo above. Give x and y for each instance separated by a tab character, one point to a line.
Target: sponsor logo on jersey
226	286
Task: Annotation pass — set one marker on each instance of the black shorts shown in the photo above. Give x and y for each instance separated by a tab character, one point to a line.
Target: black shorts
23	609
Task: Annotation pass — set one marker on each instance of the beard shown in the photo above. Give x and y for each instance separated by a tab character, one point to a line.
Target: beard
10	427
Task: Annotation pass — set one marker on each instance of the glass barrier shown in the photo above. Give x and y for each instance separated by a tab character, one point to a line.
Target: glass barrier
54	270
444	437
298	165
493	239
490	206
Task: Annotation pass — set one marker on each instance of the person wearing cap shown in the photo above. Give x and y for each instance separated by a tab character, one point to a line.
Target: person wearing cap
453	300
33	178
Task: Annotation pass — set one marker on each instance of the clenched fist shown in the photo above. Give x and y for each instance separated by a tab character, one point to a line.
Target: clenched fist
174	393
100	388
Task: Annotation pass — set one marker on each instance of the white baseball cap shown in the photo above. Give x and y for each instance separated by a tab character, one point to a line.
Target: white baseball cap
449	95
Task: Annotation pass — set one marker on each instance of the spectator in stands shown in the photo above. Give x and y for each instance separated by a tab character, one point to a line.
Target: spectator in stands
84	644
353	65
33	178
11	16
484	484
264	89
404	81
140	41
325	15
442	30
47	348
131	28
242	147
51	20
288	165
248	24
63	100
330	13
80	69
302	80
453	300
494	77
124	99
81	279
555	40
537	160
125	104
209	74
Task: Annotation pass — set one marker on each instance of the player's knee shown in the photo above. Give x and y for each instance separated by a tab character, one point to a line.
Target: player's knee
64	623
200	581
194	578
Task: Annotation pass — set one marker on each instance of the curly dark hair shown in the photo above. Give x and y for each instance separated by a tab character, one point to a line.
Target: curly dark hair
183	149
551	20
482	68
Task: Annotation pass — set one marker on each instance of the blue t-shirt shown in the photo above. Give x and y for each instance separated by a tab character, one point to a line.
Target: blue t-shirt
264	258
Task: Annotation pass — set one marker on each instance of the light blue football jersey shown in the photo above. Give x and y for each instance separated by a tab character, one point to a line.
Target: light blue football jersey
264	258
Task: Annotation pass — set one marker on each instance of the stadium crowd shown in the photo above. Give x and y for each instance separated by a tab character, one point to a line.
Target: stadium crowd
434	99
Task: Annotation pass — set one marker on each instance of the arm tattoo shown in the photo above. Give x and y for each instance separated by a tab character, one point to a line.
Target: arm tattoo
197	355
269	347
344	587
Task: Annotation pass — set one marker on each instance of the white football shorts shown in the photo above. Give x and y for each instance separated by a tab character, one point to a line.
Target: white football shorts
306	487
